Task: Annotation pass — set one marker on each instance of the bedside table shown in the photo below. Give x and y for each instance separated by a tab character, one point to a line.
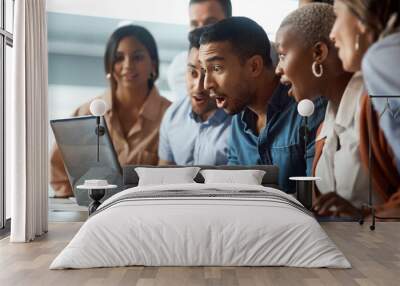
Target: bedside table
304	189
96	193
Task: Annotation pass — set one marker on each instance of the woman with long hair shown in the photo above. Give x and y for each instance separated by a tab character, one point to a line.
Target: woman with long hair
135	108
367	34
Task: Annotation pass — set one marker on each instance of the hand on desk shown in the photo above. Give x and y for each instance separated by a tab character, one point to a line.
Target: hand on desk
331	204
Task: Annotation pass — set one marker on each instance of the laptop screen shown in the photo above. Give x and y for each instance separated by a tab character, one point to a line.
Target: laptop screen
77	140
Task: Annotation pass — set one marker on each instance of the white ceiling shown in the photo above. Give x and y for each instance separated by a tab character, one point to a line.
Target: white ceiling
268	13
164	11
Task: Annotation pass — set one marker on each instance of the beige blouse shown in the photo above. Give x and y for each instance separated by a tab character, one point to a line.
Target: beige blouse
138	147
340	166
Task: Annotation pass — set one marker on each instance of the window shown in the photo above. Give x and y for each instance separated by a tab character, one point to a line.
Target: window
9	15
6	43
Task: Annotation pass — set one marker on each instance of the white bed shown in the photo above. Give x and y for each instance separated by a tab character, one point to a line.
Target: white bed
225	225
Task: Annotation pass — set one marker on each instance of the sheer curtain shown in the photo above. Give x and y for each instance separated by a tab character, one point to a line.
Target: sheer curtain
27	122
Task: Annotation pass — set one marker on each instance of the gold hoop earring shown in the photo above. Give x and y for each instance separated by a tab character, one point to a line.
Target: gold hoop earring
357	44
314	69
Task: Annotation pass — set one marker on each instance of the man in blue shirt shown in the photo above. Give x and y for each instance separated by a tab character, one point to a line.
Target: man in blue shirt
266	129
193	130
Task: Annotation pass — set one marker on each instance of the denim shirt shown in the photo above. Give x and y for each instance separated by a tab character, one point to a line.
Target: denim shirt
242	142
281	141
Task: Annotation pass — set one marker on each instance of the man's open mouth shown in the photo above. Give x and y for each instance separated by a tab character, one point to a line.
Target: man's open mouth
200	98
221	101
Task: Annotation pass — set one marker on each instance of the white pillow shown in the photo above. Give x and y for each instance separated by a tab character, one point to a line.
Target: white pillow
248	177
164	176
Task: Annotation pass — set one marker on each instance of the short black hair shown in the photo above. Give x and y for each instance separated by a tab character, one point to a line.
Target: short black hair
323	1
246	37
320	1
195	36
139	33
225	4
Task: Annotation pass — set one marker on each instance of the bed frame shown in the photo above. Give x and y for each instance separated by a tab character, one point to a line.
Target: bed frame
130	177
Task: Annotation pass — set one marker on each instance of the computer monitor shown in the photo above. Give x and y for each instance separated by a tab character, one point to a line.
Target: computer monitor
77	140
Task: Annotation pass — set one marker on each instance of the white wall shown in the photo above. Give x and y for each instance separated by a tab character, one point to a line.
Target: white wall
139	10
64	99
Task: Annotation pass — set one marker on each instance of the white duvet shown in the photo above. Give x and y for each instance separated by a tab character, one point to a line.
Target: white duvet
188	231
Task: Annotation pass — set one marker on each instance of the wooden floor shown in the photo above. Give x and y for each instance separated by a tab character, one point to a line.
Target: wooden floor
66	210
375	257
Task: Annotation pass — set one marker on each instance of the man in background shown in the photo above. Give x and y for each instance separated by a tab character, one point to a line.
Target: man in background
201	13
207	12
193	130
